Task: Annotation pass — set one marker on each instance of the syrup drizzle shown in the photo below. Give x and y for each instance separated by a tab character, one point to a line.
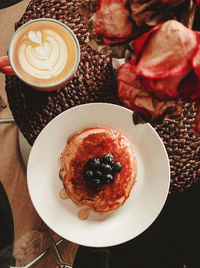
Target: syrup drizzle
63	194
83	214
69	138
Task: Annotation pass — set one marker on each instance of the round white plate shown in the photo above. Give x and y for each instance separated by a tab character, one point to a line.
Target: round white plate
147	196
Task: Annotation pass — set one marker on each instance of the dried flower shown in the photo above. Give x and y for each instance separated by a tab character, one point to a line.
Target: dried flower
113	23
162	55
198	2
172	2
165	65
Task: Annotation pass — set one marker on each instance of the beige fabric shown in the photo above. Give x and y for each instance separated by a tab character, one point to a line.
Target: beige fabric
30	237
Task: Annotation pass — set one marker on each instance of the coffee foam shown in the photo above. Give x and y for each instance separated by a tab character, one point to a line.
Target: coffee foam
44	53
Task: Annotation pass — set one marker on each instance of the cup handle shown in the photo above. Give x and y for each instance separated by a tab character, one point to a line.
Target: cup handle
5	67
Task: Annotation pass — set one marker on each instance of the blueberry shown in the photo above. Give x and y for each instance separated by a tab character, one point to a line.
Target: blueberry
86	167
108	178
98	174
95	184
117	167
94	162
106	168
108	158
88	174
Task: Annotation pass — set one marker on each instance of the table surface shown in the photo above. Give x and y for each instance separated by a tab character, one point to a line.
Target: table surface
28	227
171	241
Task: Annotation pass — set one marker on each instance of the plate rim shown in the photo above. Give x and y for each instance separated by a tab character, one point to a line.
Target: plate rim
79	107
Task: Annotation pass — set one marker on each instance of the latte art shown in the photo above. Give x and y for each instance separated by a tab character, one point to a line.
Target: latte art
43	54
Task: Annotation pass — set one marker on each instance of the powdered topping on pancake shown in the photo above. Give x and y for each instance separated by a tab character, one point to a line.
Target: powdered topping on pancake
97	142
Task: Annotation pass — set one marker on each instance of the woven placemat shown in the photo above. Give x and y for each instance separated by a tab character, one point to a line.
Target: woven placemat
95	82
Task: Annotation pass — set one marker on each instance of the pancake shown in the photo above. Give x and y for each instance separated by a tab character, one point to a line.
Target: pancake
96	142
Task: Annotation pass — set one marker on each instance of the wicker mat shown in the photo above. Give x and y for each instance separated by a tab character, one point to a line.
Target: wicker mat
95	82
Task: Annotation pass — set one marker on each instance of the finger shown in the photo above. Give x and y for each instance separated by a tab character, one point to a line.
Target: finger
7	70
4	61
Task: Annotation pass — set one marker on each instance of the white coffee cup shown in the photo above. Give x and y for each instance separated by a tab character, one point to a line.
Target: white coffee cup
43	53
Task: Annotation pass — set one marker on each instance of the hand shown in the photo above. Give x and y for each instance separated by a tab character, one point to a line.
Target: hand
5	66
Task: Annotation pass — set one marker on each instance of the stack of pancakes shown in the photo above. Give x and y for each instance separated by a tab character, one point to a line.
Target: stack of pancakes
96	142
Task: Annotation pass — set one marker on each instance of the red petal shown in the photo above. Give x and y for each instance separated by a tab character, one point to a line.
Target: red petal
98	5
131	92
190	87
144	104
140	42
134	96
126	94
168	51
175	2
113	20
128	87
196	62
126	72
164	89
116	40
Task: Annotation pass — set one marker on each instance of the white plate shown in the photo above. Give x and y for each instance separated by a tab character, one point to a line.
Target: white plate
147	196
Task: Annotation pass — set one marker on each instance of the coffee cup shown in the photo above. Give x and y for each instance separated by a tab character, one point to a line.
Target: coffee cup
43	53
